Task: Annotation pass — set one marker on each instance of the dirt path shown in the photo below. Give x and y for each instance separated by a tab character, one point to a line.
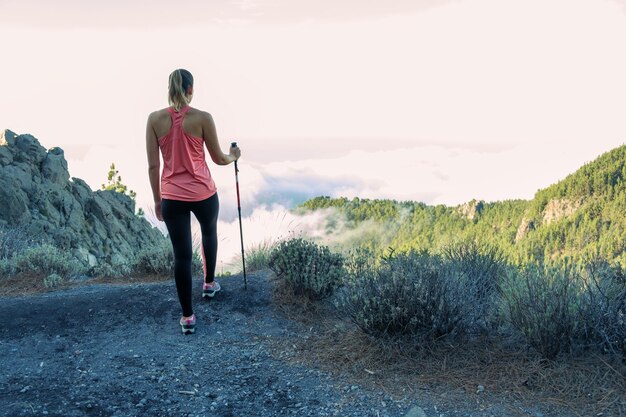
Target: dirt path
116	350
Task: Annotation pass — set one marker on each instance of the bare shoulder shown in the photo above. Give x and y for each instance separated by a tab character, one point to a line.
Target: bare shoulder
158	115
200	115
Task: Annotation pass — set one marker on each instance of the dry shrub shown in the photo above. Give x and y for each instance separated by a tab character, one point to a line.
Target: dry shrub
108	270
540	302
47	259
603	307
484	268
258	256
156	260
13	241
410	294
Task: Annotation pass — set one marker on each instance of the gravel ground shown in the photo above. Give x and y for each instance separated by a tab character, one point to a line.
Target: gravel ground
117	350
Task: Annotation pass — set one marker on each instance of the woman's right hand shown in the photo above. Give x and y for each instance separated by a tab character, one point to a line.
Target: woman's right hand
235	152
157	210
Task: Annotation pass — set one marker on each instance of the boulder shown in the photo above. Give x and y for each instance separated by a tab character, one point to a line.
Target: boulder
54	167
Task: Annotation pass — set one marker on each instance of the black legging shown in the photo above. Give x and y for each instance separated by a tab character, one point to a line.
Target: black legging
176	215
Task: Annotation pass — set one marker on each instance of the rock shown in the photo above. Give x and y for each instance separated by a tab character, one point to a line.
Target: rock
86	257
36	192
22	178
415	412
29	150
80	189
525	226
7	138
54	167
471	209
559	208
13	203
6	156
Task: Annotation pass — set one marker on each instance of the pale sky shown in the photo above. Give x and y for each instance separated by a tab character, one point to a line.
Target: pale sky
439	101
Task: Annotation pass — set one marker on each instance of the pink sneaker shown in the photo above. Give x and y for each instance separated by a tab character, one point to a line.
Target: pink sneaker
188	325
209	290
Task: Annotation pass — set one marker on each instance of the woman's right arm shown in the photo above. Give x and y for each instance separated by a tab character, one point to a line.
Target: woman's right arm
154	166
209	134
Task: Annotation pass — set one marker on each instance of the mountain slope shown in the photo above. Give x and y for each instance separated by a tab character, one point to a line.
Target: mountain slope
581	216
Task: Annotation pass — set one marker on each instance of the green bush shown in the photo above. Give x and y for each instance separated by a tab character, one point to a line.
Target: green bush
157	260
46	260
410	294
362	260
541	303
7	267
258	256
309	269
52	280
105	269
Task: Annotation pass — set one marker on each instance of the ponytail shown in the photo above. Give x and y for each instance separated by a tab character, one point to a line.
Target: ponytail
180	81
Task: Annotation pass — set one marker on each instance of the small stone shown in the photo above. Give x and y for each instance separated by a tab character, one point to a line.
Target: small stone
415	412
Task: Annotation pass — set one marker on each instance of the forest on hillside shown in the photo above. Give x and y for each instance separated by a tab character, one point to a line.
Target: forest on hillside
577	219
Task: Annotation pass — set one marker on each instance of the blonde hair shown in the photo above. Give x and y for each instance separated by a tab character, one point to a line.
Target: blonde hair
179	83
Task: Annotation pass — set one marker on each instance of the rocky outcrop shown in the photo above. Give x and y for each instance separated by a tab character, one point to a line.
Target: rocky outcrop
471	210
37	194
559	208
525	226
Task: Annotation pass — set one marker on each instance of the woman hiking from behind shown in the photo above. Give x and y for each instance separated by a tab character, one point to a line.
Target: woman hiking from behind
181	132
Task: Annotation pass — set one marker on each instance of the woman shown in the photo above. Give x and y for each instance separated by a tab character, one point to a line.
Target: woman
186	186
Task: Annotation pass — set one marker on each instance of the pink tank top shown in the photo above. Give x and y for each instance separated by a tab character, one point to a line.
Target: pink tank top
185	176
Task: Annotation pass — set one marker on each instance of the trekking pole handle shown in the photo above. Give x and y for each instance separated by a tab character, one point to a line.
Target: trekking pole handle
233	145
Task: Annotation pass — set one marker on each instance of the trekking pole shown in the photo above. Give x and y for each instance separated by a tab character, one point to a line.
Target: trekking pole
243	258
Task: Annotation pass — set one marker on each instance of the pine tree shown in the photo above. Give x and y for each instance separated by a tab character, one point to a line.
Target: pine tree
114	183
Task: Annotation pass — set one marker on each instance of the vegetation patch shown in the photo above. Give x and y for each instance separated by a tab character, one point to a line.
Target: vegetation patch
309	269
